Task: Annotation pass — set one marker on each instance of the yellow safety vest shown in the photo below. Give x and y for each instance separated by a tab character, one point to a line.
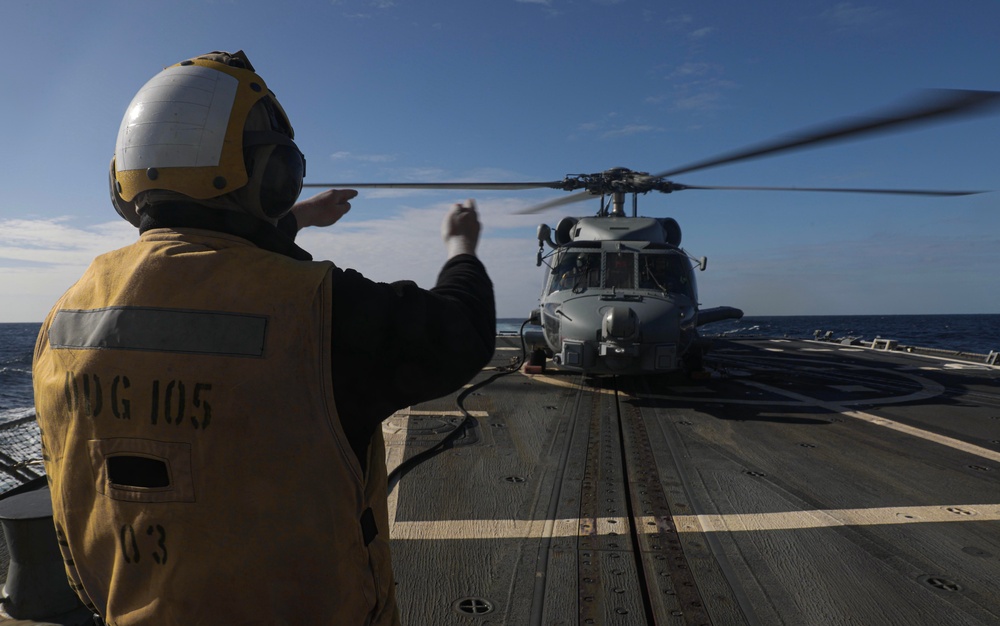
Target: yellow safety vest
198	468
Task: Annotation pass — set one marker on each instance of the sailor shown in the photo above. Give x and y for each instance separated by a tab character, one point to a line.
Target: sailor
211	398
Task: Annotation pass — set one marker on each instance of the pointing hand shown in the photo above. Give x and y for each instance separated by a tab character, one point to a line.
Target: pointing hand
323	209
460	229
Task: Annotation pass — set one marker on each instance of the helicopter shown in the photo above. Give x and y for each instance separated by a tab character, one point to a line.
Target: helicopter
619	295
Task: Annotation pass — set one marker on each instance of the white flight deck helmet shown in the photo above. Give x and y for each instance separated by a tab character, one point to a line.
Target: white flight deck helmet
207	129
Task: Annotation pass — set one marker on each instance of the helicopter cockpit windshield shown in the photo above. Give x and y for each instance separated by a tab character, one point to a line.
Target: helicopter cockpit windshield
650	269
620	270
578	270
666	271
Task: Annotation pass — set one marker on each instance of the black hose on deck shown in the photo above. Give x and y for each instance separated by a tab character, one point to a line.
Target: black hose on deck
404	467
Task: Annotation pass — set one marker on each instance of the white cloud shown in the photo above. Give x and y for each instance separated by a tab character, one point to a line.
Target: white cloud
409	246
628	130
701	33
344	155
848	16
55	242
678	21
701	101
692	69
693	86
40	259
612	128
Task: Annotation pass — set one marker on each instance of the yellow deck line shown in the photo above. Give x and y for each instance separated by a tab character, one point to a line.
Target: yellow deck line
828	518
729	523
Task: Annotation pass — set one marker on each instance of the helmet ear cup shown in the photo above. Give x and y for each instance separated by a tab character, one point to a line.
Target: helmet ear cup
275	168
124	208
281	180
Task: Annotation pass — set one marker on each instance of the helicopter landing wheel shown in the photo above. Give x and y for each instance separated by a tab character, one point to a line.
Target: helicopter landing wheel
536	362
694	364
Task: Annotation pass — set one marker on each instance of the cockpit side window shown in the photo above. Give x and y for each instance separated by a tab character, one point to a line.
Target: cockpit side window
665	272
576	271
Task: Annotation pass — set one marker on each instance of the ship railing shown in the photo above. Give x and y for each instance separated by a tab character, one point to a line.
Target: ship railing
20	452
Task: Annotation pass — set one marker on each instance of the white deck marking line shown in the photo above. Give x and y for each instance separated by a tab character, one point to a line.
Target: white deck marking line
828	518
411	413
569	384
840	408
852	388
732	522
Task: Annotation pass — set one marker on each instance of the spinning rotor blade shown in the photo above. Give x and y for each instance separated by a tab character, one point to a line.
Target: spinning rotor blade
475	186
943	103
545	206
904	192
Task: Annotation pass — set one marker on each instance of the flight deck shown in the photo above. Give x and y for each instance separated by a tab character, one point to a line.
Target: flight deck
802	482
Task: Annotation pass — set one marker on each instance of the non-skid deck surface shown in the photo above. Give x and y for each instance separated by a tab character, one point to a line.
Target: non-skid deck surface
805	483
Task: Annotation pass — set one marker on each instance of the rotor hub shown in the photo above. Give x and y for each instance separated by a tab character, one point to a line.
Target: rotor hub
617	180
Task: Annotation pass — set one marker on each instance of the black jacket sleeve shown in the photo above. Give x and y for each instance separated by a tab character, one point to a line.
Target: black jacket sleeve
395	345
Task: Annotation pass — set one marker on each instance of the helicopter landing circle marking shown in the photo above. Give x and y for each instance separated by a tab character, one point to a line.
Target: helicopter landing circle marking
928	389
842	409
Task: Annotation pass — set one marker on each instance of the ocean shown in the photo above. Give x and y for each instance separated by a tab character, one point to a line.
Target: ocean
17	343
977	334
20	441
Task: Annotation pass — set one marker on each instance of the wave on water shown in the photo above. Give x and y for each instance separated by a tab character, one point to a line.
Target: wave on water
16	413
977	334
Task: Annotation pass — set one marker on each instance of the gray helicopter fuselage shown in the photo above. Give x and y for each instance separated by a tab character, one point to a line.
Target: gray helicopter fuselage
619	297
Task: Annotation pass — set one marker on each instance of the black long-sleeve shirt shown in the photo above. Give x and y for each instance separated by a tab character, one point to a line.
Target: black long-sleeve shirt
394	345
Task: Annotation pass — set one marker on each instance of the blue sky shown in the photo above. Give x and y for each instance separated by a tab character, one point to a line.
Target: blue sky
509	90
